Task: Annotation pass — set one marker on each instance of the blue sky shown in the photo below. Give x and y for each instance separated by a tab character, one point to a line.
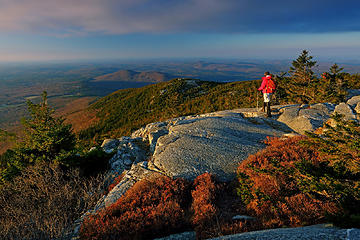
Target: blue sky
41	30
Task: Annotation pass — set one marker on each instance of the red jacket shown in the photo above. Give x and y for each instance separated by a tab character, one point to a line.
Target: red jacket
264	83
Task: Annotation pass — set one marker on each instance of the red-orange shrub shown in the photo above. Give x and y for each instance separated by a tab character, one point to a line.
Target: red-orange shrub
149	209
273	183
213	207
115	182
203	205
203	199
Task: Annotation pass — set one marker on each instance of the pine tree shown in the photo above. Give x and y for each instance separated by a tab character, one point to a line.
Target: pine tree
46	139
335	70
45	136
335	84
302	78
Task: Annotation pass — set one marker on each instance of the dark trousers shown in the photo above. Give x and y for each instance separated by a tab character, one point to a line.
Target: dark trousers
267	107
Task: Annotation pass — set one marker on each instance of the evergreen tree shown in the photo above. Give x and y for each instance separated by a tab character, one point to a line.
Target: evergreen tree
302	79
46	136
335	70
46	139
332	86
281	95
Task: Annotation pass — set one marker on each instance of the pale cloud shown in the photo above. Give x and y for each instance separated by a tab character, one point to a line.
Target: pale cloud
79	17
106	16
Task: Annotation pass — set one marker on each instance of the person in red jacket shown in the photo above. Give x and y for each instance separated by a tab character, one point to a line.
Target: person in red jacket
267	87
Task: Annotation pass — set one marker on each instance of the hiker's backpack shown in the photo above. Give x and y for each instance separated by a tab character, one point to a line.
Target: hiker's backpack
270	86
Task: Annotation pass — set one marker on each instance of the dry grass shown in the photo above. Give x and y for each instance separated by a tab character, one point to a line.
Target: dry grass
44	201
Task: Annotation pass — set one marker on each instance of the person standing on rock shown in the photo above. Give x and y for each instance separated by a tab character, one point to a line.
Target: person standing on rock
268	88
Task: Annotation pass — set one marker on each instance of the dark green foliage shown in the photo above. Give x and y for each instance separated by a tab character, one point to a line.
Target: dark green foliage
352	81
302	86
49	139
127	110
331	87
46	136
280	96
301	181
9	166
340	146
302	78
90	163
46	139
5	135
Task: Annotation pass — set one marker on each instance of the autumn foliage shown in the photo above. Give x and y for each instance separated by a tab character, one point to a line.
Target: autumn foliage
116	181
203	205
149	209
161	207
293	183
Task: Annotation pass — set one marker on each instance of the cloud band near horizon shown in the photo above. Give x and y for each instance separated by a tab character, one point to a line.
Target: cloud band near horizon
87	17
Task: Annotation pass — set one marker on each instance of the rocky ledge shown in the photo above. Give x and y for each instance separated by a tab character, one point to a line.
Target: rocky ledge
190	146
215	142
314	232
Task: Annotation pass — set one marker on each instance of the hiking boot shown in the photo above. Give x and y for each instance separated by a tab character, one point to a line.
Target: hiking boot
264	107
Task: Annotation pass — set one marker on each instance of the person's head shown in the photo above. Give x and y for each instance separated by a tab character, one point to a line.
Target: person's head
266	73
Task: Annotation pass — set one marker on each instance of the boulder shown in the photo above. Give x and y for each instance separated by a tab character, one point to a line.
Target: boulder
214	143
288	114
345	110
151	133
326	108
352	102
135	174
306	118
110	145
243	218
150	128
128	152
357	108
180	236
154	136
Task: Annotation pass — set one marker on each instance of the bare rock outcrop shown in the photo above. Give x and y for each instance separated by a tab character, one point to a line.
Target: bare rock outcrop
313	232
127	152
305	117
346	110
357	108
353	101
214	143
137	173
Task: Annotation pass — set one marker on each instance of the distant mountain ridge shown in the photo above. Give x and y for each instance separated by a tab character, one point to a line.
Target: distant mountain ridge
134	76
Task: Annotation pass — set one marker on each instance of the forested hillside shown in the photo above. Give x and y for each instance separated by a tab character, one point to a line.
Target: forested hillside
126	110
